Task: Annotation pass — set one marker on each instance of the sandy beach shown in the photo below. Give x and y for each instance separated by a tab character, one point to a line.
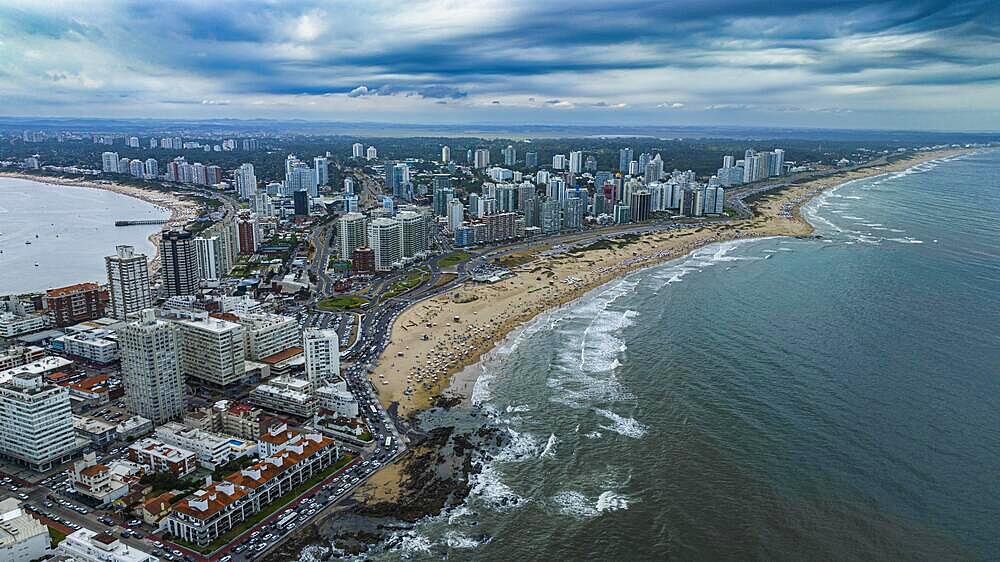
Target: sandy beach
439	337
181	210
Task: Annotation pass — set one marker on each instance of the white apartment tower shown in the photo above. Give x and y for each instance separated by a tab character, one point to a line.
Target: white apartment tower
36	422
151	368
322	354
445	154
456	214
371	153
358	150
352	233
413	234
212	349
246	181
384	239
128	282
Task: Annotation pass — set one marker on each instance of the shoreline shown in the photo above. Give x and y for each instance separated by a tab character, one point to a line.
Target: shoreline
181	211
437	358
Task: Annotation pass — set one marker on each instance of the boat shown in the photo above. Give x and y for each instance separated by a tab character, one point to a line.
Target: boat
27	241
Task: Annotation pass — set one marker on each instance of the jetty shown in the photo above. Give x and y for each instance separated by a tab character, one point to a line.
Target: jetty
133	223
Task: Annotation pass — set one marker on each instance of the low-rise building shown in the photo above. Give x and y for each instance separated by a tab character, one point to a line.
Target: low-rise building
41	367
12	325
98	432
86	545
20	355
90	392
92	346
336	398
154	509
212	449
219	507
96	480
160	457
22	537
286	395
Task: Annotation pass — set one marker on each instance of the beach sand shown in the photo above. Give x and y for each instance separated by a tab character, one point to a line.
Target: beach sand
181	210
428	345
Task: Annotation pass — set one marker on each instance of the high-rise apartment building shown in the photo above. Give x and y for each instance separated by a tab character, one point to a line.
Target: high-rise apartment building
128	282
212	349
36	422
321	170
384	239
624	158
322	354
246	181
109	162
357	150
352	234
445	154
413	234
575	162
179	263
481	158
151	368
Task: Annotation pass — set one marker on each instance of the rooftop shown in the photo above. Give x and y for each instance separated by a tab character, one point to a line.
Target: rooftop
70	289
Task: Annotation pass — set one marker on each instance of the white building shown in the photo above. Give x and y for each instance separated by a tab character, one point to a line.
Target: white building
12	325
212	449
151	368
481	158
371	153
22	537
575	162
322	352
384	238
267	334
212	349
337	398
36	422
96	480
287	395
109	162
352	234
413	234
92	346
456	214
128	282
246	181
321	170
445	154
85	545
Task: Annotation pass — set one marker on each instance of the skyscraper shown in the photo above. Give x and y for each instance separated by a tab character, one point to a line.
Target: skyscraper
151	368
624	157
530	159
321	170
179	261
413	234
456	214
109	162
509	156
482	158
352	234
575	162
300	202
322	354
246	181
371	153
445	154
384	239
441	194
128	282
36	422
358	150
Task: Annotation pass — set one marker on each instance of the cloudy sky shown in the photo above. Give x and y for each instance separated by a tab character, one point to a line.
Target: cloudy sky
910	64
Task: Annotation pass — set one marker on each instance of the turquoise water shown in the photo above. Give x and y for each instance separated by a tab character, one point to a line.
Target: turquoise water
71	229
776	399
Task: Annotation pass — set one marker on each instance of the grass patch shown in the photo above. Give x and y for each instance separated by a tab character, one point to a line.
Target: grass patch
399	287
56	536
268	510
454	258
341	303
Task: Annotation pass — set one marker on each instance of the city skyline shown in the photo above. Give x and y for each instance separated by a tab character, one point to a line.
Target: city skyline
883	65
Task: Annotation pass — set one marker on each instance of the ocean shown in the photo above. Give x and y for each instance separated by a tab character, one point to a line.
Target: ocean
71	230
776	399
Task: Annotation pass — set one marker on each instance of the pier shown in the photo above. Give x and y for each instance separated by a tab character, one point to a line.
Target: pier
133	223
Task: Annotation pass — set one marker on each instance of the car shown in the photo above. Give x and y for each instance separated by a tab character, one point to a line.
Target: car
225	558
158	544
177	553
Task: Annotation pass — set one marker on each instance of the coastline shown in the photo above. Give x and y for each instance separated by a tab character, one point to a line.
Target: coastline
439	359
181	210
